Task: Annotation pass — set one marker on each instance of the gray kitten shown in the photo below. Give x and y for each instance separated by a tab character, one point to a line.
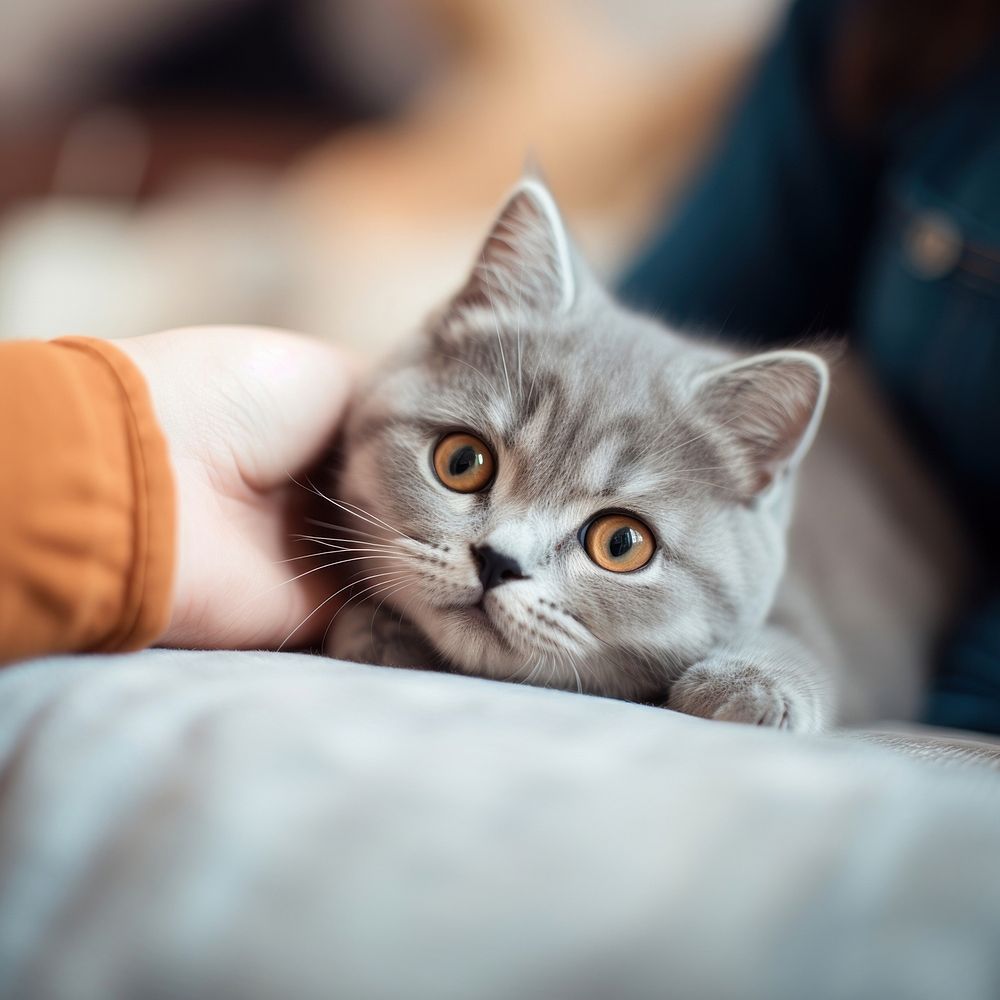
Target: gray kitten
547	488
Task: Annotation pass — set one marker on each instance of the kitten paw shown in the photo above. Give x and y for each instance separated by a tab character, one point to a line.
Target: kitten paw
741	694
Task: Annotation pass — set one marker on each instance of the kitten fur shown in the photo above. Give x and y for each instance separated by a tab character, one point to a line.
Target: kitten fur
588	408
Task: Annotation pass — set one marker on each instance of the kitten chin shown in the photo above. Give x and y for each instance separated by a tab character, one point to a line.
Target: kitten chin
549	489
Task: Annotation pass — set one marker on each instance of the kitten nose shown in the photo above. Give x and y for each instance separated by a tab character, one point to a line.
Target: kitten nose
494	567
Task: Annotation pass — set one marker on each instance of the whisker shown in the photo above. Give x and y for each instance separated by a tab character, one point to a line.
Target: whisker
324	554
347	543
517	313
705	482
698	437
461	361
517	670
309	572
319	607
704	468
534	378
375	587
346	506
344	527
403	610
496	326
362	514
538	666
385	597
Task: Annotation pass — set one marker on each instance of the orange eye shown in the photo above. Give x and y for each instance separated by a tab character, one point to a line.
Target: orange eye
619	543
463	463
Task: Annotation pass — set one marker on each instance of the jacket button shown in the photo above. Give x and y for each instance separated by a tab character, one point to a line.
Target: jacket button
933	245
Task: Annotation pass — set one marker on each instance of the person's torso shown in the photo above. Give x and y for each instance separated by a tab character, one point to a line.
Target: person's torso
928	308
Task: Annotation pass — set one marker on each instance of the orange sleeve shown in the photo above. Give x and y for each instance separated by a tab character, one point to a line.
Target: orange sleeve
86	502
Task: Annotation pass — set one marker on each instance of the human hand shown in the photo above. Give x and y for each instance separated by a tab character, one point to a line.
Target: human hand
243	409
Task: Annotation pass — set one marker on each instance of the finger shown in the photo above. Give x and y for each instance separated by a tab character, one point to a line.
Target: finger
298	388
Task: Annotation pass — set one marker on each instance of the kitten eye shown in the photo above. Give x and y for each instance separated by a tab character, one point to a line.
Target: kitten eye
463	463
618	543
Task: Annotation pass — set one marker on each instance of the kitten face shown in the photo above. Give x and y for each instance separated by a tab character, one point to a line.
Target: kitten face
577	415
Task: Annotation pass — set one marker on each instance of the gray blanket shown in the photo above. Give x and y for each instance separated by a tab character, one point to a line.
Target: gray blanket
265	825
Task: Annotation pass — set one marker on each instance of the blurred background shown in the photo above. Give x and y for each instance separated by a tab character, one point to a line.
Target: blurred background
330	165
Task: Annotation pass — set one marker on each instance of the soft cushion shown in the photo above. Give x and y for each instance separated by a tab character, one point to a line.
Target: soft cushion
262	825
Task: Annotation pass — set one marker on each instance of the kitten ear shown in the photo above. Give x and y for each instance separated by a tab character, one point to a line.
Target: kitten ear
526	262
769	406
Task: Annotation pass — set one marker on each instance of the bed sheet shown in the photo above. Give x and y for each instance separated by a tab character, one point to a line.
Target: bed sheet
261	825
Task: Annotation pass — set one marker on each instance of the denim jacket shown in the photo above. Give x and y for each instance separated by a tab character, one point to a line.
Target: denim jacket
796	226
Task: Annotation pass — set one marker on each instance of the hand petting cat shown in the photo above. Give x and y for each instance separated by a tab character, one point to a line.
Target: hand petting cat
245	411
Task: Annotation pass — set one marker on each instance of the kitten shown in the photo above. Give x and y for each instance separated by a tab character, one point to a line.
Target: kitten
547	488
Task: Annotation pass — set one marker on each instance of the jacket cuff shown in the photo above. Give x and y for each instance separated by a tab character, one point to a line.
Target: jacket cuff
146	594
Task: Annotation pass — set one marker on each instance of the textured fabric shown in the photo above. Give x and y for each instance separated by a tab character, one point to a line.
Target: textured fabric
796	227
86	502
275	825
